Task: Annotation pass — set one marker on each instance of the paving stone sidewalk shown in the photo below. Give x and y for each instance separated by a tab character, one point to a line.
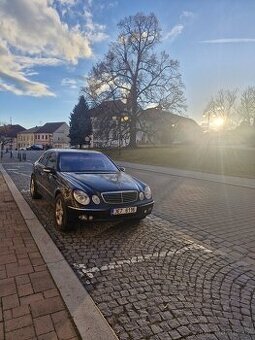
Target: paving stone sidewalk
30	304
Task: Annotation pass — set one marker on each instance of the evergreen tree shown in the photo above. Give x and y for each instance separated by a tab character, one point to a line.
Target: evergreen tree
80	123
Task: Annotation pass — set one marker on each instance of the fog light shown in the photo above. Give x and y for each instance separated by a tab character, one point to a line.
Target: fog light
145	211
83	217
90	218
96	199
141	196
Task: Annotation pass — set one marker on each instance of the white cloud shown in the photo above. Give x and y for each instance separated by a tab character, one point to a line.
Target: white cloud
95	31
72	83
34	27
186	14
174	32
228	41
37	61
67	2
13	77
184	20
32	34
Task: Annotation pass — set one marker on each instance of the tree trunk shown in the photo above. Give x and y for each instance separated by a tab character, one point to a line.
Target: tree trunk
132	117
132	143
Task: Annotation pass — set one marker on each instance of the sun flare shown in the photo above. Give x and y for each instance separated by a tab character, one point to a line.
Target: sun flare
218	123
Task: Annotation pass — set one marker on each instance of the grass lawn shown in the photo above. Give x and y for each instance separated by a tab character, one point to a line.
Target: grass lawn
232	161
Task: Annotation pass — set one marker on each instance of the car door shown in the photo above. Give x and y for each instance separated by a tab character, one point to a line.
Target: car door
51	178
40	175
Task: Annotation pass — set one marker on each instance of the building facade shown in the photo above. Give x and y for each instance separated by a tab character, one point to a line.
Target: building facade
26	138
155	126
50	135
53	135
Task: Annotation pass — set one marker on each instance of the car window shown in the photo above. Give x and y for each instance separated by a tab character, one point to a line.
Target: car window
43	159
51	160
77	162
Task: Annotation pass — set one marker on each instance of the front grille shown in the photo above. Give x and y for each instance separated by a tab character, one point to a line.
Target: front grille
118	197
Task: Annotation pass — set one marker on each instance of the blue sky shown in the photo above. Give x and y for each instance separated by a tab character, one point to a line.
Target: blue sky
47	47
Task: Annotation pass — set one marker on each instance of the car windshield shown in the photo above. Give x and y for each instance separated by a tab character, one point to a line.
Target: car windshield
85	162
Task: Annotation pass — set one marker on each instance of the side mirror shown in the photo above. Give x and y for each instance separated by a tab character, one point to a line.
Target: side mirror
49	170
122	168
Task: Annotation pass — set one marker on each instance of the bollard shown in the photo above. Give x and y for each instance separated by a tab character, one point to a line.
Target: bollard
11	154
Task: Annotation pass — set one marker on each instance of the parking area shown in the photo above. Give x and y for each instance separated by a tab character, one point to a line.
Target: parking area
188	275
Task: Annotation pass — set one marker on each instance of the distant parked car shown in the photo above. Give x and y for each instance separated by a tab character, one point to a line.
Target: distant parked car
88	185
35	147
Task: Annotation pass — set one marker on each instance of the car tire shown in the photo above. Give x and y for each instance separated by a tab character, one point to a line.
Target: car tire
62	220
33	189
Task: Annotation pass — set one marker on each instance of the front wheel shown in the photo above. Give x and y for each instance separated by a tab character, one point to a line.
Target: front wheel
62	220
33	189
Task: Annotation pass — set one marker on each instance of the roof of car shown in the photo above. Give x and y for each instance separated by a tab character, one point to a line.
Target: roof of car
74	151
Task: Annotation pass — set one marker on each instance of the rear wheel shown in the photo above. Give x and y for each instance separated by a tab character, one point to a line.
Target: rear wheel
62	220
33	189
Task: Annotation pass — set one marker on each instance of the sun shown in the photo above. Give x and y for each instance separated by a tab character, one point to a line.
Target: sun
218	123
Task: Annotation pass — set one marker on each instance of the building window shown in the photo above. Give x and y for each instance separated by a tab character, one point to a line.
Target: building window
42	136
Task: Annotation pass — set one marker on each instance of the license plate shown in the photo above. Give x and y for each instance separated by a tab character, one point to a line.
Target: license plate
123	211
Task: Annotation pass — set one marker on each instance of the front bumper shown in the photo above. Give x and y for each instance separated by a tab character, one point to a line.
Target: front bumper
91	215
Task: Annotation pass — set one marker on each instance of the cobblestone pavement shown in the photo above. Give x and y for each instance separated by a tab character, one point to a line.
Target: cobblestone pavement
152	281
220	215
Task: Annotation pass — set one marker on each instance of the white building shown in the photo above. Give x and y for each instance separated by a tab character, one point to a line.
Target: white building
53	135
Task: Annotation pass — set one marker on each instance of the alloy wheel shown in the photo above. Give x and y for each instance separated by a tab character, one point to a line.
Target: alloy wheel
59	212
32	187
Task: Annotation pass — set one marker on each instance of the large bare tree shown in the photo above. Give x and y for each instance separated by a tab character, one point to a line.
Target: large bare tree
133	73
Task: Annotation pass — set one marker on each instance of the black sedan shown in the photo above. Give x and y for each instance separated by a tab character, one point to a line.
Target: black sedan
89	186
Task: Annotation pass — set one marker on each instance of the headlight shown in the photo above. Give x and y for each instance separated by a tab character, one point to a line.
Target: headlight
147	193
81	197
141	196
96	199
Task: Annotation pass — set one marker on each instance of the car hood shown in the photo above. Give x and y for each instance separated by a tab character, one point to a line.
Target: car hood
102	182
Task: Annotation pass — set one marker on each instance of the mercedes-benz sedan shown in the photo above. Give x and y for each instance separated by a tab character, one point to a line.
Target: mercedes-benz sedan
89	186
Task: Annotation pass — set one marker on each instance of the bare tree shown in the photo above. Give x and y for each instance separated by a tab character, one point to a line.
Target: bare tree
4	139
222	106
133	73
246	109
